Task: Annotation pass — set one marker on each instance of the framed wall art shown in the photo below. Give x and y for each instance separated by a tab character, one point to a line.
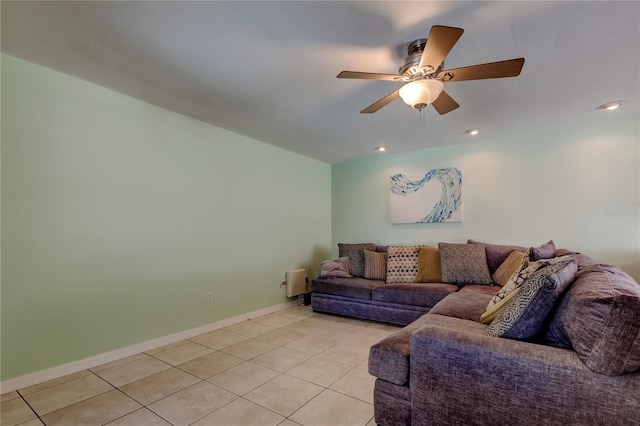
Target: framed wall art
431	197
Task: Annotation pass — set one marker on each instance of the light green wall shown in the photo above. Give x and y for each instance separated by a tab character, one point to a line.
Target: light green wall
118	217
567	185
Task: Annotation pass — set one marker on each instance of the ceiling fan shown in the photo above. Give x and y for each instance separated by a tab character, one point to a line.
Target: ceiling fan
424	77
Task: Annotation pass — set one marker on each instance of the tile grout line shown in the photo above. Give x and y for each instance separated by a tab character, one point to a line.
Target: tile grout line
30	407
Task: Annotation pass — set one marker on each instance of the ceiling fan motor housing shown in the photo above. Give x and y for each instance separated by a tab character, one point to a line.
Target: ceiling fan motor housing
409	65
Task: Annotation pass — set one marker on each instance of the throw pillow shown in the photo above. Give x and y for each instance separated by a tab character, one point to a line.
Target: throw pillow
599	318
356	256
429	265
464	264
492	312
545	251
526	269
375	265
338	268
525	314
402	264
510	266
496	253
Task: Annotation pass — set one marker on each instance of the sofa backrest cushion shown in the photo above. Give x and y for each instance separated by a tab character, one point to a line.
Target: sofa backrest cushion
524	316
497	253
599	318
464	264
355	253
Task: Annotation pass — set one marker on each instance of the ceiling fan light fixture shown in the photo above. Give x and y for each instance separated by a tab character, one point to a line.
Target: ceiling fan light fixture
421	93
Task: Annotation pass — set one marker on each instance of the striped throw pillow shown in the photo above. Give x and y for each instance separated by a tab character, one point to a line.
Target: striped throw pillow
511	265
375	265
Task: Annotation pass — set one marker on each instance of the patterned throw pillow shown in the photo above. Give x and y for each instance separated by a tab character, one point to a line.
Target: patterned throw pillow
356	256
402	264
375	265
464	264
524	315
516	281
429	270
510	266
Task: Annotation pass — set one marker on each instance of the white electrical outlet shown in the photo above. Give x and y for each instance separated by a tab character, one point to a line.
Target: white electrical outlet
210	297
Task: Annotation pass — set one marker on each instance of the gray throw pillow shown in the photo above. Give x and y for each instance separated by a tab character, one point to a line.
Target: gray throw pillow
355	253
545	251
524	316
464	264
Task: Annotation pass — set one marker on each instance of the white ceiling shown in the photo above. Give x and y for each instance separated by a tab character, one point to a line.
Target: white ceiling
268	70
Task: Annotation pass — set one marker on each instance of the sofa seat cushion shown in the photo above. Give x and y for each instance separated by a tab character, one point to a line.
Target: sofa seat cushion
418	294
389	358
357	288
599	318
469	303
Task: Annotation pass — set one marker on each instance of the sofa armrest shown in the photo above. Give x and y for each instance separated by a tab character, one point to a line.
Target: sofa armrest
460	377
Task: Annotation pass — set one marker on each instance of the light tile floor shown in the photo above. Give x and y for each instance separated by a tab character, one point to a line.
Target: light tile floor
293	367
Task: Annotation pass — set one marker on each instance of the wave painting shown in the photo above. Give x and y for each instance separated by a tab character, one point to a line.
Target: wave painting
433	198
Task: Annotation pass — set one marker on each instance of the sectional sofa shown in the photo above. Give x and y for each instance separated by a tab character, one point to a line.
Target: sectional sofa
575	362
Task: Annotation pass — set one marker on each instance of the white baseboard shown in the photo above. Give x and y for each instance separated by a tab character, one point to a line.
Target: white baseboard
94	361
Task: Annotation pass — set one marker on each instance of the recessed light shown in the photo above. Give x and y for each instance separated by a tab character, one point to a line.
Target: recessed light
380	148
610	106
472	131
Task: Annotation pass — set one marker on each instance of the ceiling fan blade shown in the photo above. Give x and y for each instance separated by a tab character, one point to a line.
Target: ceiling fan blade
382	102
444	103
368	76
510	68
439	42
